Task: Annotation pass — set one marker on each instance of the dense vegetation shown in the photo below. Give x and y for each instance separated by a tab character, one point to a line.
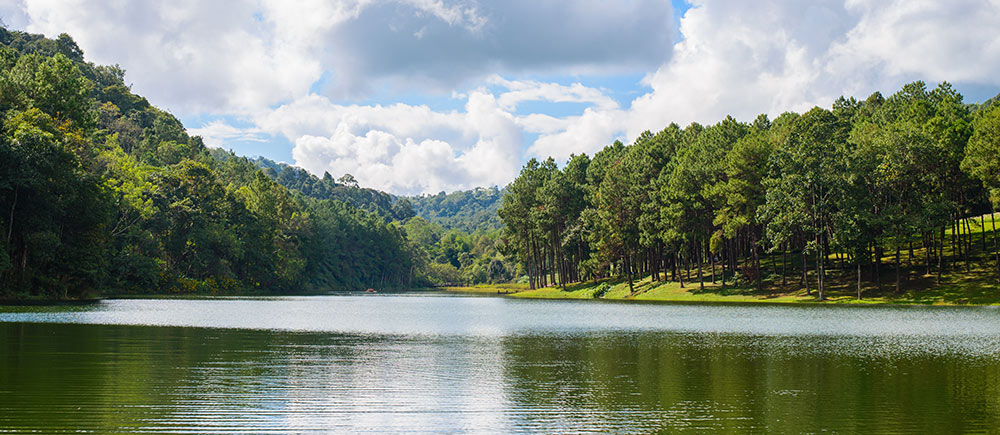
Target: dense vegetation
102	192
845	189
343	189
452	235
466	210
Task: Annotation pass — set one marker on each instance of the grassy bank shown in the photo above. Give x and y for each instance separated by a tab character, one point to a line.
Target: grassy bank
968	278
976	287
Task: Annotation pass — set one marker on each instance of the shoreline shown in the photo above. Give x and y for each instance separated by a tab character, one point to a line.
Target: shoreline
646	291
614	290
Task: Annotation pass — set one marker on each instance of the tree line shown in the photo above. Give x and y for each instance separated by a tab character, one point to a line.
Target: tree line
102	192
850	187
451	236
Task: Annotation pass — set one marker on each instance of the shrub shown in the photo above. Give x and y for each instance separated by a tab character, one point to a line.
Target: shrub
601	290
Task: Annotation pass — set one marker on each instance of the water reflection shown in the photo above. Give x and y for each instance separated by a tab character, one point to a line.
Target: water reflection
493	365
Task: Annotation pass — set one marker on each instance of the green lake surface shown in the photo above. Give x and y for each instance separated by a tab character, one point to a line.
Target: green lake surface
437	363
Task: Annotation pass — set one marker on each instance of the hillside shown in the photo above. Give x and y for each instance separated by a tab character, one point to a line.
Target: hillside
102	192
466	210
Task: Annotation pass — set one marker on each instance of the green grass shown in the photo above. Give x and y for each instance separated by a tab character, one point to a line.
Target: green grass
960	292
975	285
505	288
647	290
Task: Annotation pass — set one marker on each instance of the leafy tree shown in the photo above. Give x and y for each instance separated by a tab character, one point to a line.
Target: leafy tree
982	161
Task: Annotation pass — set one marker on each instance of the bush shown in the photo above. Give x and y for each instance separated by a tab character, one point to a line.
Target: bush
601	290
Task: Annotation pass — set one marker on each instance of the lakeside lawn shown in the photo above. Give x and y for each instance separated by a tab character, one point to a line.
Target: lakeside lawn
958	287
969	279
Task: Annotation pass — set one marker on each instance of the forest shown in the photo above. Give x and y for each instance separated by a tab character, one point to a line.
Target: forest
853	192
103	193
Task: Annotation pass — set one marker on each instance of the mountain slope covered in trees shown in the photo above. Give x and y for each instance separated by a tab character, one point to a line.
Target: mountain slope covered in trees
343	189
453	235
466	210
102	192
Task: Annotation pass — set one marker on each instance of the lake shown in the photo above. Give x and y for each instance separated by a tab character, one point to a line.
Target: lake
444	363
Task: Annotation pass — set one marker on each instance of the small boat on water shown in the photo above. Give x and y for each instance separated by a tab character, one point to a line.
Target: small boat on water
371	290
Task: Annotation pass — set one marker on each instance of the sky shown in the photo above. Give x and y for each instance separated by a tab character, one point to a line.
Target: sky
423	96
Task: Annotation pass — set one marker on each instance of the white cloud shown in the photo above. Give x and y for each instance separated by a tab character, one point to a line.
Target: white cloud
189	56
587	133
745	58
12	14
246	56
402	148
529	90
259	61
217	134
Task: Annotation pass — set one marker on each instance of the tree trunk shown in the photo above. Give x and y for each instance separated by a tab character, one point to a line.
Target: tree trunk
897	267
909	262
968	243
628	272
784	262
701	280
956	248
531	267
858	261
819	267
679	275
722	262
552	267
756	263
805	273
878	272
673	266
10	223
940	252
996	248
927	253
712	256
982	226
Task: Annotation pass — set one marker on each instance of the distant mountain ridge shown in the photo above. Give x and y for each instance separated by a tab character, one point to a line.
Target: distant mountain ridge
466	210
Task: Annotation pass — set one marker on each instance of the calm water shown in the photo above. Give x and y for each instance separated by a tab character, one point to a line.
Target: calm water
430	363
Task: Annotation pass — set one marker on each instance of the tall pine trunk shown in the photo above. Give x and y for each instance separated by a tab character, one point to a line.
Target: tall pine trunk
722	262
805	273
897	266
819	267
996	247
858	261
940	252
928	247
878	271
701	280
628	272
784	262
10	223
677	262
756	263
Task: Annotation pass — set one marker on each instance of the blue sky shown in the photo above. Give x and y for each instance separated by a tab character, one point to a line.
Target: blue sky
420	96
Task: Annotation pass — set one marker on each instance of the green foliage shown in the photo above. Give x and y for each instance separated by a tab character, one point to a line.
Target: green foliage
468	210
848	183
601	290
344	189
100	191
982	156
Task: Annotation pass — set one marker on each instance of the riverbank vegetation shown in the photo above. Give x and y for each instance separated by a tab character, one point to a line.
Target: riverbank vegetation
877	196
103	193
